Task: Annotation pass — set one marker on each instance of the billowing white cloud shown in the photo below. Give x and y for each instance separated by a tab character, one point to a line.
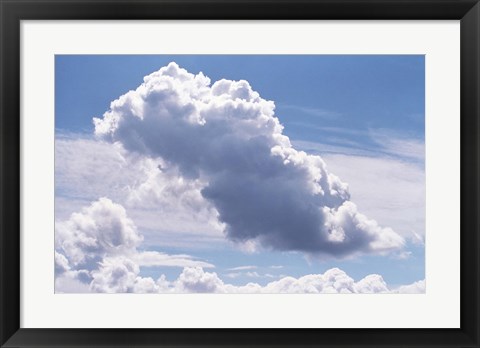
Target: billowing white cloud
121	275
195	280
414	288
333	281
97	250
115	275
101	229
225	138
371	284
68	280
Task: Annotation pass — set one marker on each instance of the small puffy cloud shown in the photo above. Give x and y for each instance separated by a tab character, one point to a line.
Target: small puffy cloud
415	288
68	280
115	275
145	286
101	229
197	281
121	275
371	284
226	138
332	281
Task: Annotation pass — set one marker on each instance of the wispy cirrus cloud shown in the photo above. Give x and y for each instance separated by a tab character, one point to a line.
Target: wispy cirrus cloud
339	147
387	189
242	268
315	112
367	142
159	259
399	145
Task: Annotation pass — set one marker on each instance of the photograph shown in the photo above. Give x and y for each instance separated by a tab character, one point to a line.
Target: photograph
240	174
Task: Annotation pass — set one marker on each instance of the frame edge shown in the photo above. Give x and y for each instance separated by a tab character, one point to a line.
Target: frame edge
9	172
470	158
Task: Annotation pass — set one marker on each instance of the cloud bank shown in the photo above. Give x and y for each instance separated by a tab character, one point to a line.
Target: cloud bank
226	138
97	251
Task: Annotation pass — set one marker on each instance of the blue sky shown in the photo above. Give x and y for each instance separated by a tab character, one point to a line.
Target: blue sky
359	112
351	92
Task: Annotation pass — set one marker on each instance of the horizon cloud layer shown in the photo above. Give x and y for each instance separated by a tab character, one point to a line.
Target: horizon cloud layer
96	252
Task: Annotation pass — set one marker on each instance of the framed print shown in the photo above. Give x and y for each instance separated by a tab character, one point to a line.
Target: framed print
240	173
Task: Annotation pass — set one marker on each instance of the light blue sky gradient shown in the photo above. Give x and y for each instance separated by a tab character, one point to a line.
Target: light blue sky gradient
348	104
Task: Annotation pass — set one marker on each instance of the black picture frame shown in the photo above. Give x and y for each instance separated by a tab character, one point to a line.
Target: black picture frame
13	11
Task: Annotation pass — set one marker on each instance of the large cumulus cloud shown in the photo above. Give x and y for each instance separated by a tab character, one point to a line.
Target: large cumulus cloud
227	137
